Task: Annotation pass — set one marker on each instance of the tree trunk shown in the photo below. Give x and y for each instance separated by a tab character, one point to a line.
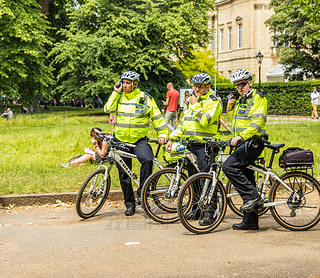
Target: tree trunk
44	6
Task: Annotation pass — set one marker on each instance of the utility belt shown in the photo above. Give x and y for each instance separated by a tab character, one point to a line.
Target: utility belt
254	142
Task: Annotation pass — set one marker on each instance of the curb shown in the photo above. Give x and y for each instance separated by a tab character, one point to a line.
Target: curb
49	198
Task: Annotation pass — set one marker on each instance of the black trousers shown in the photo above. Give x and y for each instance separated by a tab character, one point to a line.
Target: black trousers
203	160
204	166
235	169
144	154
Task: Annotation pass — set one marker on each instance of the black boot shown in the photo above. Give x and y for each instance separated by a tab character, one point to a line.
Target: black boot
249	222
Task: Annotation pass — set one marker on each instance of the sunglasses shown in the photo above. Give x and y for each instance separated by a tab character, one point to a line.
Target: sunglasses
241	85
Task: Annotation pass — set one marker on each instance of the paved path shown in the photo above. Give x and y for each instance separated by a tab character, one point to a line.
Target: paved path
54	242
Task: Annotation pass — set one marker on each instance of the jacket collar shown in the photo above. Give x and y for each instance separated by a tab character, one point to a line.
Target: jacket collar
203	97
133	94
243	99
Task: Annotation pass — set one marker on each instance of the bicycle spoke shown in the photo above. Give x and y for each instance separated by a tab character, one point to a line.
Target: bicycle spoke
158	201
92	194
194	208
302	208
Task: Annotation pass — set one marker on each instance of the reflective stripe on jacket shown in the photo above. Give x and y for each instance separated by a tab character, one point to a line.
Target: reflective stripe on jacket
200	119
249	117
133	113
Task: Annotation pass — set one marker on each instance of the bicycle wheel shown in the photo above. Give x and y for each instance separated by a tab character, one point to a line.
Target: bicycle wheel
192	208
235	201
300	208
92	193
154	198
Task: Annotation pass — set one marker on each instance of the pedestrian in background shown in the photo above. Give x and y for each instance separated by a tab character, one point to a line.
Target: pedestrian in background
315	98
172	102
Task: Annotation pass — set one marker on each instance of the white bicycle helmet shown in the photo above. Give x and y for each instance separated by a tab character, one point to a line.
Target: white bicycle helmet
130	75
201	78
241	74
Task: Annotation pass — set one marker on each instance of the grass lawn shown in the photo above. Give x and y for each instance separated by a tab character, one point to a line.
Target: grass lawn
34	146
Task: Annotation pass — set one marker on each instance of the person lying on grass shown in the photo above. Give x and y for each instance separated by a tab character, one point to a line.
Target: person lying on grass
101	148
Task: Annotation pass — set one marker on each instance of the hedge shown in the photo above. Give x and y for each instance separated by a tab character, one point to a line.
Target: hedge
284	98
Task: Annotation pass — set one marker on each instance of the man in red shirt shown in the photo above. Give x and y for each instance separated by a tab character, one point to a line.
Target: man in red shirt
172	102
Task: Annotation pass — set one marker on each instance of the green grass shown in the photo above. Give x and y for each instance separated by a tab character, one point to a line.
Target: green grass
34	146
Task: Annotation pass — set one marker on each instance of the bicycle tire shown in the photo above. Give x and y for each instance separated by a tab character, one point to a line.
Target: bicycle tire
235	201
189	210
302	208
88	205
154	202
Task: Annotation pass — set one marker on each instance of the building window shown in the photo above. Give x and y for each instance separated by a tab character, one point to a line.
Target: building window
229	74
283	34
221	40
274	38
240	35
229	38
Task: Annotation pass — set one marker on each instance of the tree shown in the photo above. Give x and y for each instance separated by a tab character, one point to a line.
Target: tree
23	70
291	28
106	38
311	9
202	62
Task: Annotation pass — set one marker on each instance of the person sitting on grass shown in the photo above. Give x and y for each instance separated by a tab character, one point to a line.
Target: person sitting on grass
101	149
8	114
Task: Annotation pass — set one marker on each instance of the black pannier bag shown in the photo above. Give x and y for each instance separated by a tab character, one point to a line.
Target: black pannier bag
294	157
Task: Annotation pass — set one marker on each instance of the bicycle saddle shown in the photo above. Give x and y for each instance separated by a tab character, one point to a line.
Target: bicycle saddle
275	146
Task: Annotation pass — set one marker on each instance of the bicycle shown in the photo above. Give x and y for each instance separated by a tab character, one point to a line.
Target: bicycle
294	197
159	193
234	200
160	190
95	188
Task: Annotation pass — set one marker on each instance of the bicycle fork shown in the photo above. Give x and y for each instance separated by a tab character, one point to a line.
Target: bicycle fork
206	198
101	186
174	181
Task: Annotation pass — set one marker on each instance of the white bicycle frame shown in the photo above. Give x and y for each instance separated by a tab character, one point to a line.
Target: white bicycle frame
275	178
115	155
174	181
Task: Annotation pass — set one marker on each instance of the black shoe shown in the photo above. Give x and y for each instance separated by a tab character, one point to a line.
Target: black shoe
139	201
130	211
252	205
207	219
244	226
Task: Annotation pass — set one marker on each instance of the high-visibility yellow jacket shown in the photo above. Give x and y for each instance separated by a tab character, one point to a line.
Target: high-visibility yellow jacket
200	119
249	115
133	113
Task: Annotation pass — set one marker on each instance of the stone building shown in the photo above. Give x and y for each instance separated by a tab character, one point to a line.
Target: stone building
239	32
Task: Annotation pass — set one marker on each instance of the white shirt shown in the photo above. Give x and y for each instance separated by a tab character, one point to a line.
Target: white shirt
315	97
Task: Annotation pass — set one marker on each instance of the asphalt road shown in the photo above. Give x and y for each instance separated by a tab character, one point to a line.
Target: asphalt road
53	241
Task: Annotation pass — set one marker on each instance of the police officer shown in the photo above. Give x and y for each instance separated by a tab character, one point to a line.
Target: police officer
248	115
201	118
134	109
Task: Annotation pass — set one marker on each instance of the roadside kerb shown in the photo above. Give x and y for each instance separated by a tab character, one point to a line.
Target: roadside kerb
49	198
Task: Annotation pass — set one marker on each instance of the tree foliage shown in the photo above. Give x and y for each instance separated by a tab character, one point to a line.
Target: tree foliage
23	38
311	9
292	27
202	61
106	38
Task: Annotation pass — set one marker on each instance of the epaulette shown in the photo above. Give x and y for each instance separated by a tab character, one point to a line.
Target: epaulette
149	95
260	93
